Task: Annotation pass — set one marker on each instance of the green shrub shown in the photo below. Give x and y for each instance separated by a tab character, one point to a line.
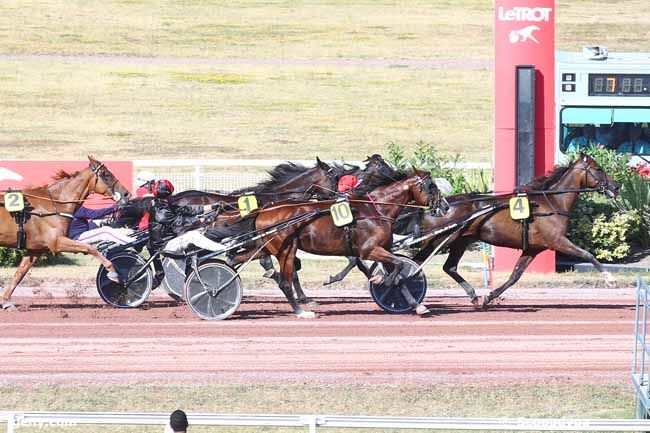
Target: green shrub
10	257
598	227
635	197
425	157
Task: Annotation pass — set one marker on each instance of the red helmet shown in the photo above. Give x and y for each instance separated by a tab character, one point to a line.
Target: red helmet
163	188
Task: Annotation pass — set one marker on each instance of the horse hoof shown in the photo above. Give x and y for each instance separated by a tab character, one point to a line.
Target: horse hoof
476	302
377	279
610	280
485	302
306	315
308	302
269	273
9	306
113	276
421	310
327	281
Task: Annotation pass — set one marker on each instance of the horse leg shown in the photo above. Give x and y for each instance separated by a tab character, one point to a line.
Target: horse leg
565	246
456	251
23	267
521	265
300	294
267	264
287	270
67	245
381	255
352	262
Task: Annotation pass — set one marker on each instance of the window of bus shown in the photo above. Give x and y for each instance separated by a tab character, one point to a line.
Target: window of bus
601	127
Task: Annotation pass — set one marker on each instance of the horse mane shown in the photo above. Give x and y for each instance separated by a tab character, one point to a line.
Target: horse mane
548	179
381	180
62	174
279	175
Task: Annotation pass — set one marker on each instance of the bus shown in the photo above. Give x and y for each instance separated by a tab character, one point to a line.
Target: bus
603	99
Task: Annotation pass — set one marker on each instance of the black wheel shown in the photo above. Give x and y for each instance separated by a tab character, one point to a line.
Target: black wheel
174	277
218	292
391	299
128	265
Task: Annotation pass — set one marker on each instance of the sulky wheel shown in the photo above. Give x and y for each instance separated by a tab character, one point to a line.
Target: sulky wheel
216	295
391	299
131	292
174	277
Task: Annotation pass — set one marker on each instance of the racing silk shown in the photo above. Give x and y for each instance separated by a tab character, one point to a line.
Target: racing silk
141	192
347	182
166	219
83	220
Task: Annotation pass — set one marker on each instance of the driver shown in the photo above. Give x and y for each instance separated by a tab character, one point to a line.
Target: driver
181	222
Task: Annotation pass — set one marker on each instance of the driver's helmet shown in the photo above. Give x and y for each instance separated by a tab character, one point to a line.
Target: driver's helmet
163	188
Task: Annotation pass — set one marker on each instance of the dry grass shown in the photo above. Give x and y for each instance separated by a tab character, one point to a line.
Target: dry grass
552	400
263	102
260	112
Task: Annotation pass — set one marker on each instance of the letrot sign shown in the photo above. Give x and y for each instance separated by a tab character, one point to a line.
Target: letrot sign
524	35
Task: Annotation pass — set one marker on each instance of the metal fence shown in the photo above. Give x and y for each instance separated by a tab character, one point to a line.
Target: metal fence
641	360
16	420
231	174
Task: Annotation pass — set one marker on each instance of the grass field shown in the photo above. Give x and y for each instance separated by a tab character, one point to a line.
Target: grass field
553	400
279	79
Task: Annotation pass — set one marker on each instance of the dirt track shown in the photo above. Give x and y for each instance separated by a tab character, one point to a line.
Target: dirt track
534	336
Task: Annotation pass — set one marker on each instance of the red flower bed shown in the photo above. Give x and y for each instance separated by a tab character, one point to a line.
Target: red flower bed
642	169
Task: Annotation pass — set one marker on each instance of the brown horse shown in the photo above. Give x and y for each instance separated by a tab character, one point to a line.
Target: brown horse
51	209
370	238
547	228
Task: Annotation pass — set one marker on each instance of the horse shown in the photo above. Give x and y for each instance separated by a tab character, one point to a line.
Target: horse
555	194
370	238
49	212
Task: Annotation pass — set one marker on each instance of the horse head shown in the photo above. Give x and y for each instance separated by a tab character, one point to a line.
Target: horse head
377	167
595	177
425	191
106	183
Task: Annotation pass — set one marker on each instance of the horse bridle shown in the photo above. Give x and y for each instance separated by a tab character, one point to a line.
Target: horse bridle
600	187
436	205
97	171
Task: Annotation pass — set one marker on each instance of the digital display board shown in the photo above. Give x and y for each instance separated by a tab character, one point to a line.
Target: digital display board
619	84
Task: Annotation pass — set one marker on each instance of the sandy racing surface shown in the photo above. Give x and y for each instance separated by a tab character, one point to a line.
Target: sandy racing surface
537	335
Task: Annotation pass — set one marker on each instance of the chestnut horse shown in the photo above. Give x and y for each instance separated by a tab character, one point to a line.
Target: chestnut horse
51	210
370	238
552	198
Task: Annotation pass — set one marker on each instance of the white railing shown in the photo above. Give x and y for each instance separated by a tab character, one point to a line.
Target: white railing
231	174
16	420
641	357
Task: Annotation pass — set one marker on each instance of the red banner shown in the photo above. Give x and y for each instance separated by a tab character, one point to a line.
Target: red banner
524	34
22	174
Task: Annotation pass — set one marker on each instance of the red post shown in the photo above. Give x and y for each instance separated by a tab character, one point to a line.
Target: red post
524	34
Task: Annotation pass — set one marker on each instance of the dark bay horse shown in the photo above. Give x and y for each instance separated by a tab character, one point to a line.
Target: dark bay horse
547	228
370	237
50	216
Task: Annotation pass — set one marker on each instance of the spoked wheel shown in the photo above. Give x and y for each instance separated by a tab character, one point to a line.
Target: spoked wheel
126	295
391	299
174	277
216	295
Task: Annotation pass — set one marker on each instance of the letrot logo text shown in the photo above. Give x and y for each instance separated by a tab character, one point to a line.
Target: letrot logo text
524	14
